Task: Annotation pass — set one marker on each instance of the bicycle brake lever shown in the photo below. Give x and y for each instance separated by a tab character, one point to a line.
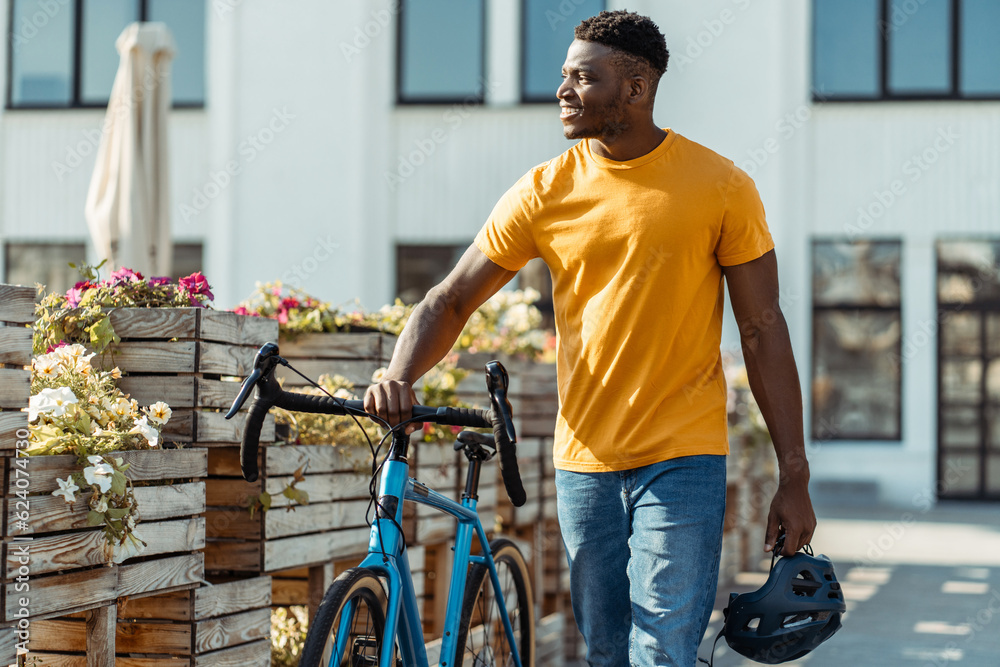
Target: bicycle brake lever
263	363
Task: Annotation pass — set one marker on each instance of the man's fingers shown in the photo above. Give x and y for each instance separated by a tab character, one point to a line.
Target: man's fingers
771	535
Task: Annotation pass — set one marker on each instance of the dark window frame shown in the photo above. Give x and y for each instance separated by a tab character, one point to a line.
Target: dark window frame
946	309
75	102
815	431
884	95
479	99
522	93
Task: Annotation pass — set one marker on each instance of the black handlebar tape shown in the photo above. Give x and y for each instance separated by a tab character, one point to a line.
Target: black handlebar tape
251	439
508	463
320	405
454	416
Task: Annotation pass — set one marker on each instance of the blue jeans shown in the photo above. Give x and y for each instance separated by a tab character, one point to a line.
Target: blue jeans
643	547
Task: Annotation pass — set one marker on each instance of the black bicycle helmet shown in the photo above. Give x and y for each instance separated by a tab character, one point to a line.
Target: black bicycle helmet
798	608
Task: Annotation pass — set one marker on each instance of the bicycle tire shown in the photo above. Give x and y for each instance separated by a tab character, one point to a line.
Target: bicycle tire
362	587
481	637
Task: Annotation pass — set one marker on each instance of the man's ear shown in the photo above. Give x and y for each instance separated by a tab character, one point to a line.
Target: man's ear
638	89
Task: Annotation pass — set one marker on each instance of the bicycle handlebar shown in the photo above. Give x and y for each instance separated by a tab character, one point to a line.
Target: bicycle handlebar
270	394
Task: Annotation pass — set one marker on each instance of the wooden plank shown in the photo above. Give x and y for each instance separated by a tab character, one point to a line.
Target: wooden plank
160	574
320	579
223	555
154	637
149	356
321	488
145	465
63	592
155	323
286	592
8	646
15	345
17	304
214	427
286	459
177	391
15	388
175	606
231	492
334	346
314	549
256	654
10	424
234	522
70	660
231	597
217	393
225	359
89	547
101	624
314	518
358	372
225	461
226	327
51	513
217	633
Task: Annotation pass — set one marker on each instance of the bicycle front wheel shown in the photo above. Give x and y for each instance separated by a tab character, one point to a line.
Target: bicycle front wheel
349	627
482	639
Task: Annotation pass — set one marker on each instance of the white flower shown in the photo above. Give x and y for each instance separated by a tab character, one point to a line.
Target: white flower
47	367
102	506
99	474
143	428
116	373
73	353
130	522
122	407
67	489
83	367
378	375
51	401
344	394
159	412
133	546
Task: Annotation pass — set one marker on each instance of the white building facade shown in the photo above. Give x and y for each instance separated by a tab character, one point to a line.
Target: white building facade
328	143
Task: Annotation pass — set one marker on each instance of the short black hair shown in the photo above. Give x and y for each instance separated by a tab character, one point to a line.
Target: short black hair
630	33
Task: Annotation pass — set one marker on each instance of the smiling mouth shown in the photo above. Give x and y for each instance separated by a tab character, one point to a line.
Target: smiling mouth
569	112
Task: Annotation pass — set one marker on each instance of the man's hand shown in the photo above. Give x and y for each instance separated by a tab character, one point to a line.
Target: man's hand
392	400
792	514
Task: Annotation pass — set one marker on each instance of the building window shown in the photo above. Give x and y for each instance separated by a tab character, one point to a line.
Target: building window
905	49
49	263
547	33
441	51
421	267
62	53
856	360
968	293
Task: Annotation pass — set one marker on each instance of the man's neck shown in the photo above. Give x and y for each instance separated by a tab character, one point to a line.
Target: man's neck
631	145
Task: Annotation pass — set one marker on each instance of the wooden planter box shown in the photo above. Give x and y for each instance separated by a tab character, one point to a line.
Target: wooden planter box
354	355
331	526
180	356
215	625
66	569
17	312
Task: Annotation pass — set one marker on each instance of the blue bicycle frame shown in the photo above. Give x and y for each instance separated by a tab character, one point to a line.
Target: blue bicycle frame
387	558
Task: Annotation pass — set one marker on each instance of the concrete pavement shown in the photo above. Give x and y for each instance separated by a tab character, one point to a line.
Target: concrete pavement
922	586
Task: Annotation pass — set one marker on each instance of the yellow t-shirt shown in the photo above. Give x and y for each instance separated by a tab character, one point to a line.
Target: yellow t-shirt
635	249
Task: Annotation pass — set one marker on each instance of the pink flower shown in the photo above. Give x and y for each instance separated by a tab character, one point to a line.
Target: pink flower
456	429
196	284
53	348
75	293
428	428
125	275
240	310
282	316
160	280
276	291
289	302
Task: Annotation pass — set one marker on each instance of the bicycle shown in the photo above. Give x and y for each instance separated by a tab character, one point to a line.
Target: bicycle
369	615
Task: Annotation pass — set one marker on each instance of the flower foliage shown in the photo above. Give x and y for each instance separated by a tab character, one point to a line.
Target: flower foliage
746	422
76	409
81	315
509	323
288	635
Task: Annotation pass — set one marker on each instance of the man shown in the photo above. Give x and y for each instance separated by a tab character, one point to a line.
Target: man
638	226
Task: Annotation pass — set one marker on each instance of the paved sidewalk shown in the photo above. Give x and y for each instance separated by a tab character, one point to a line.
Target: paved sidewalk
922	588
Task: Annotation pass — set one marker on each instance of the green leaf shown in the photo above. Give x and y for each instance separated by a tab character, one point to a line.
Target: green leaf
265	501
118	484
102	334
118	512
303	497
94	518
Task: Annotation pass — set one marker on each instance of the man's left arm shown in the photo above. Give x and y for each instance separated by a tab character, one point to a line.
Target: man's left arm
774	380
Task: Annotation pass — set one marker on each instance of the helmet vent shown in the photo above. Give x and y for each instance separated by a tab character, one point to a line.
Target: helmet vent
751	624
805	585
793	621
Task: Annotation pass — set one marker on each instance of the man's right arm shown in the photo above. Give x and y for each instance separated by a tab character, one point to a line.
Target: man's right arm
432	329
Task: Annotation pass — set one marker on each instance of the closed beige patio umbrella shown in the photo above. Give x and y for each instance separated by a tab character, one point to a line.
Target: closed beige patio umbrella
128	200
